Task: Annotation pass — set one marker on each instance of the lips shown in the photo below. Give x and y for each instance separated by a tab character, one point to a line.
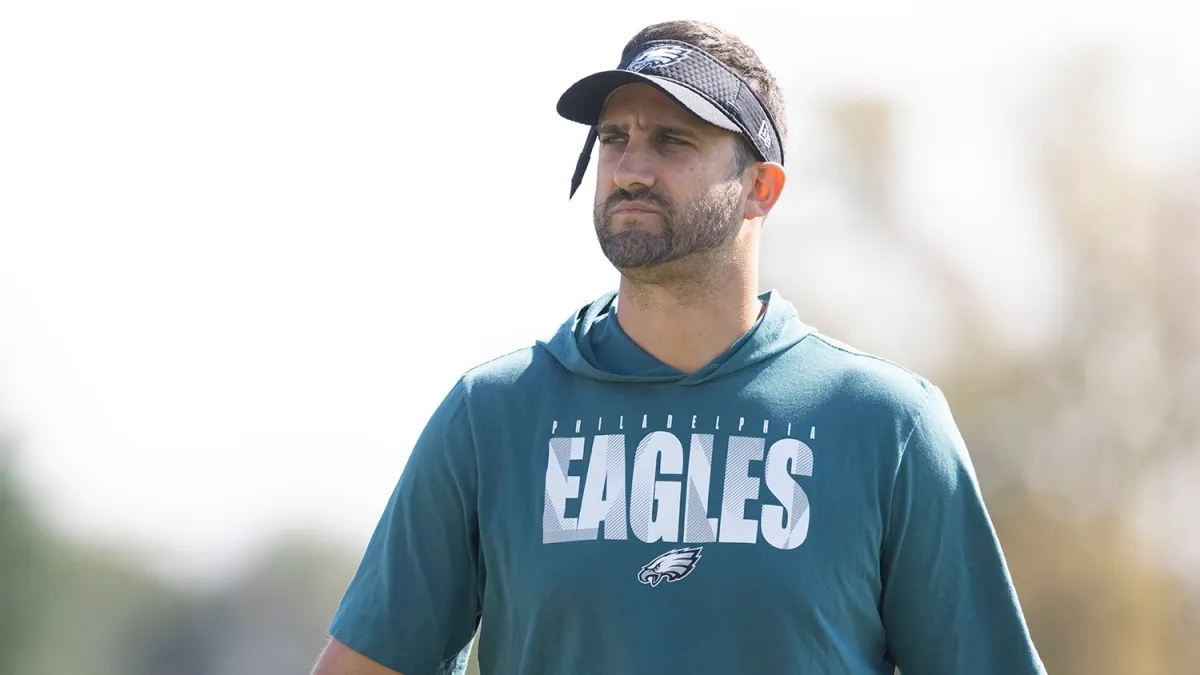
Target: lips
634	208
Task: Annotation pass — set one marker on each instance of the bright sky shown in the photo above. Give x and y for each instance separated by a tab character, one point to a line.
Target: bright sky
245	247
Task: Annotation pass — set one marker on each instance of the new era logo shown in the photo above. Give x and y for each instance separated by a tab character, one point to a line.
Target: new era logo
764	132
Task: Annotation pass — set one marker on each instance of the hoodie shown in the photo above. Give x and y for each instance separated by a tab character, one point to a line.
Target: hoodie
795	506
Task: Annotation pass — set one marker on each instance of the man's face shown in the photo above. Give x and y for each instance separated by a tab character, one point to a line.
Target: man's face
667	188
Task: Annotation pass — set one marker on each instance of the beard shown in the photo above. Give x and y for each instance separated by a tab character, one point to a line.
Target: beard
706	224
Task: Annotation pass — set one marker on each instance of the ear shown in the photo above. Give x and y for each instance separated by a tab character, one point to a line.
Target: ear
769	179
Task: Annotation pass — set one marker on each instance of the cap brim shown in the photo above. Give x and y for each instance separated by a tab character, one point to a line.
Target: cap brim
583	101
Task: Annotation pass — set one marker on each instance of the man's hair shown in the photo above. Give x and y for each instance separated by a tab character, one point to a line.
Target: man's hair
736	55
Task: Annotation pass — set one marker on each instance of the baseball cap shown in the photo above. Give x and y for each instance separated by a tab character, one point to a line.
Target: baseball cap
692	78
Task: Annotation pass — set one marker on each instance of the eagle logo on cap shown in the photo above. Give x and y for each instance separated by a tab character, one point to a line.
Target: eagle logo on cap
671	566
657	57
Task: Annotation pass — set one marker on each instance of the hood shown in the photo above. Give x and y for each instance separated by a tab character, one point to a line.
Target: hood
591	344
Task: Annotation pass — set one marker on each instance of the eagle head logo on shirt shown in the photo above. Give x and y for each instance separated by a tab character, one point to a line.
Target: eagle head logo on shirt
670	566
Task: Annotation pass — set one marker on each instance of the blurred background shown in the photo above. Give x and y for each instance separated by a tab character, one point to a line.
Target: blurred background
246	247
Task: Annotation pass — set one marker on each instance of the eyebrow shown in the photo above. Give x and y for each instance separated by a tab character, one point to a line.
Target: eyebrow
652	128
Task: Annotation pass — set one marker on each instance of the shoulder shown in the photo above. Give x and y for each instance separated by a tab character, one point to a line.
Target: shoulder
480	387
501	371
861	379
526	369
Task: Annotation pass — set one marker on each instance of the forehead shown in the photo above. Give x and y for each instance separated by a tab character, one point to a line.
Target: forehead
646	102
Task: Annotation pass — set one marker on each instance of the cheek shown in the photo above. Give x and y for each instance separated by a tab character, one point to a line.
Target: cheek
604	188
607	160
604	177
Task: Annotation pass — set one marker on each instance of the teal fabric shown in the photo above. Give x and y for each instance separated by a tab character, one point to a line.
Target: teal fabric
796	507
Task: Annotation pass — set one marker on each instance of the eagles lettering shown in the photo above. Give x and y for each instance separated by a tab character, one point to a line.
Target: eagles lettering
672	493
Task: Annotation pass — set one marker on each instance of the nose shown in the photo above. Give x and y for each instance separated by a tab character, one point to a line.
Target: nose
634	169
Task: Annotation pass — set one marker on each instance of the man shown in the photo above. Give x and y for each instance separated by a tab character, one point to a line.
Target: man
685	478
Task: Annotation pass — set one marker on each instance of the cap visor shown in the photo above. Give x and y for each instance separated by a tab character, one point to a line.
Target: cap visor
583	101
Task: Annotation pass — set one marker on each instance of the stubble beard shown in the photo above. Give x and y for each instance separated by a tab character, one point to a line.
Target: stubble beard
706	226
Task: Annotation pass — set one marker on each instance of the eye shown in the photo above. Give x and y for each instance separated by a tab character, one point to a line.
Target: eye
609	140
673	140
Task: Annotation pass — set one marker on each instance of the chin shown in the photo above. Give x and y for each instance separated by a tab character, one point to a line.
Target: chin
660	272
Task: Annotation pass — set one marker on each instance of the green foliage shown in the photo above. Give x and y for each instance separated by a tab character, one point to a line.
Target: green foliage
24	581
66	608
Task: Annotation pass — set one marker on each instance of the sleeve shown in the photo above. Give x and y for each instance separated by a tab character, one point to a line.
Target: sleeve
413	604
948	602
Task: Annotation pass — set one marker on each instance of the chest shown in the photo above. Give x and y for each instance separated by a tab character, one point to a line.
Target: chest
730	508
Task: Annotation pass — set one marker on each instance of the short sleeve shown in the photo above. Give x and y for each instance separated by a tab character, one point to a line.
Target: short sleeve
413	604
949	605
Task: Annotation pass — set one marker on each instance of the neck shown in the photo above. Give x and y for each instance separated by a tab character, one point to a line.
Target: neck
687	324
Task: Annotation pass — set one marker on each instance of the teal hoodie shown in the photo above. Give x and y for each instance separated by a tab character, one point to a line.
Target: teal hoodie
796	506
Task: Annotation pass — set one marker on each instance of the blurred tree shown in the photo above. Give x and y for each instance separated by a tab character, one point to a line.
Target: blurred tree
101	610
273	617
65	608
23	582
1096	597
69	608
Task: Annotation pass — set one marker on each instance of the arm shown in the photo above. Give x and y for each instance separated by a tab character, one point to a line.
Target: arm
338	659
949	606
414	602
